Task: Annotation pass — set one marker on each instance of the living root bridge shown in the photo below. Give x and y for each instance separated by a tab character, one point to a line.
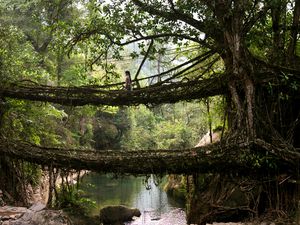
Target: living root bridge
211	158
77	96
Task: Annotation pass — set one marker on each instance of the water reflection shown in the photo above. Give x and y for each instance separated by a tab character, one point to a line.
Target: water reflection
154	204
174	217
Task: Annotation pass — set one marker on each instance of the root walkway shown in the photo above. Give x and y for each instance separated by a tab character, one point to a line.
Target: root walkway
210	158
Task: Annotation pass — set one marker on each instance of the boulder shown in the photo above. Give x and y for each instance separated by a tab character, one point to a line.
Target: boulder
117	215
36	214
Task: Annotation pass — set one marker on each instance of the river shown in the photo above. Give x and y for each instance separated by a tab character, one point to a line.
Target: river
156	206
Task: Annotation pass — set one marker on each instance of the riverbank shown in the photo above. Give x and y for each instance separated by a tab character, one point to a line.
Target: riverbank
36	214
39	214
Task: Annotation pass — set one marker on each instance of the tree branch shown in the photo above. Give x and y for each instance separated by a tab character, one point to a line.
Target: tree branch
197	58
84	35
172	16
143	61
250	22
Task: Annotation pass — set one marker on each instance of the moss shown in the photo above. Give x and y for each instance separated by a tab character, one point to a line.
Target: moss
176	187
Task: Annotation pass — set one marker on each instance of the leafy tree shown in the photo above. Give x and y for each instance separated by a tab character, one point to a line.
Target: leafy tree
31	53
178	126
233	30
246	50
256	41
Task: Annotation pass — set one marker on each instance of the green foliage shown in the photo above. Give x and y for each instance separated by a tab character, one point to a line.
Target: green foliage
34	123
31	173
71	199
176	126
172	135
262	160
18	60
32	36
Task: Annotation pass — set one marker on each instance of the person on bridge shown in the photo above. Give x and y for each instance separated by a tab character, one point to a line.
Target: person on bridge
128	82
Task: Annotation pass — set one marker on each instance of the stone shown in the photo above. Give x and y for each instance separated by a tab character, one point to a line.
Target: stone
117	214
37	207
5	217
45	217
51	217
27	216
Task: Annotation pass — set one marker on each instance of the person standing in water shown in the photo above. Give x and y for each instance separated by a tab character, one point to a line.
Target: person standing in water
128	83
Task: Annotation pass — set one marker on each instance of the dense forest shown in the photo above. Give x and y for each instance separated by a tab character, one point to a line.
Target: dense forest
196	67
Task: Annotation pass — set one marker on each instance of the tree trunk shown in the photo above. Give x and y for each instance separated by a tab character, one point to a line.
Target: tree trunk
293	36
242	90
238	63
278	36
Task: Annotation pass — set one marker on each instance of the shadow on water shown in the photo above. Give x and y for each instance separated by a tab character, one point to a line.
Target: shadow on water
131	191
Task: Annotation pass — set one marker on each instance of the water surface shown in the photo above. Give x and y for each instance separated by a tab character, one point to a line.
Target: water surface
156	207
